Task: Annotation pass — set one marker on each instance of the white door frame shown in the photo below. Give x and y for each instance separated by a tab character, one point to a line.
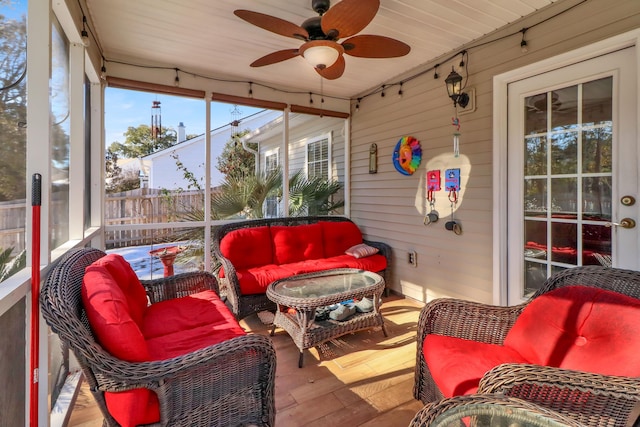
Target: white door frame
500	84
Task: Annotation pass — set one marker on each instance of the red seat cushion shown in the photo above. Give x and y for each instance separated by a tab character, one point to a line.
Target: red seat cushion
581	328
181	314
182	342
248	247
254	281
296	243
373	263
457	365
339	236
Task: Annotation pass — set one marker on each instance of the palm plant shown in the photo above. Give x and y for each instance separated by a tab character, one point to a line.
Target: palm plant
245	197
10	266
312	196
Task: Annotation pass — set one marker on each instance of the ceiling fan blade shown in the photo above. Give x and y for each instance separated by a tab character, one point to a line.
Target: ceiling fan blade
348	17
273	24
272	58
335	71
366	46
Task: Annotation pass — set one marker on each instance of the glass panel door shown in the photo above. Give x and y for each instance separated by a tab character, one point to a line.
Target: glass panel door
565	178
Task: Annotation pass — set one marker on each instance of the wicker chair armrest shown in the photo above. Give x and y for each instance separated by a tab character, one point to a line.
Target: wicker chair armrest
467	319
446	412
247	352
230	274
384	249
179	285
592	399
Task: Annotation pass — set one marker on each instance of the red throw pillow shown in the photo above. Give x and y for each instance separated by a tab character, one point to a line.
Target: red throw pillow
339	236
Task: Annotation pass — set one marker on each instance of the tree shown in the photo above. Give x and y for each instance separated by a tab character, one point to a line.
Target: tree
235	162
139	142
13	107
125	181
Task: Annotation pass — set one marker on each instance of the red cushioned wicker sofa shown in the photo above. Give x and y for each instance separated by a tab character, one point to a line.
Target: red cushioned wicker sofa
255	253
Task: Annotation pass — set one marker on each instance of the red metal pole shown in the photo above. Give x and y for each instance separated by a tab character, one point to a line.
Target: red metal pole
36	188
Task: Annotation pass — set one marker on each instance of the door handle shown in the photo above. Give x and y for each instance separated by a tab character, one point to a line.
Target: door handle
624	223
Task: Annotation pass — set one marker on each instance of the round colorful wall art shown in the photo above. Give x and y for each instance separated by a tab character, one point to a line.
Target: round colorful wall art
407	155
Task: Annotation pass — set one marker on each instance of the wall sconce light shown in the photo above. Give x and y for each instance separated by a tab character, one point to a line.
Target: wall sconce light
373	158
454	89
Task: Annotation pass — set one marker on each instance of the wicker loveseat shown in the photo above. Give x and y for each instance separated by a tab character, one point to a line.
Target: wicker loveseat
178	358
255	253
580	327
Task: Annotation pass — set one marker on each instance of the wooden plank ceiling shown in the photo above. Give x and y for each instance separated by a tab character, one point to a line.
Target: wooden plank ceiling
206	38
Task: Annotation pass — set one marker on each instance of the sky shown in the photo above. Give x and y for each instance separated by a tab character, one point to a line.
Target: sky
127	108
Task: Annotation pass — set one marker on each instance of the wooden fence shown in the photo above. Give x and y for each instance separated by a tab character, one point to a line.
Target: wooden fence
148	206
140	206
13	219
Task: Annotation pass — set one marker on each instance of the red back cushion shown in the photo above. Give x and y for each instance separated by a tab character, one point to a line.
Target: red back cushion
581	328
108	312
109	316
248	247
296	243
128	281
339	236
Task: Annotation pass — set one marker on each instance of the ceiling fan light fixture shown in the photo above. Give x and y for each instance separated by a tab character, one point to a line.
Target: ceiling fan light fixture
321	53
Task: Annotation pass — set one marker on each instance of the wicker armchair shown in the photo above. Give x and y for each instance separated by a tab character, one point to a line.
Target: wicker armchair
490	324
245	305
488	410
590	399
230	383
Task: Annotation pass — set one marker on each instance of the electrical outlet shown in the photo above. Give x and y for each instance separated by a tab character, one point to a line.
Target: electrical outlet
412	258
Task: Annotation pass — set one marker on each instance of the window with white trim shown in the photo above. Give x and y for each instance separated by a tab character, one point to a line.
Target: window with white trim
318	156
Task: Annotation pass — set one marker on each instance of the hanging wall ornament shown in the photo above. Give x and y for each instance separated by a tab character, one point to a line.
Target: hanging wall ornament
407	155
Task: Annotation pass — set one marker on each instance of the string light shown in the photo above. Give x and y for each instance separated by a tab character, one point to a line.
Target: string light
250	89
400	92
524	48
176	81
358	104
84	34
462	54
523	45
103	71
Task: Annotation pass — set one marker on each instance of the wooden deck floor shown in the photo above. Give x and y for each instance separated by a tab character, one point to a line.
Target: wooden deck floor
360	379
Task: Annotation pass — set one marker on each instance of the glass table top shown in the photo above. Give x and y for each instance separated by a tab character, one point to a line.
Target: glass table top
326	283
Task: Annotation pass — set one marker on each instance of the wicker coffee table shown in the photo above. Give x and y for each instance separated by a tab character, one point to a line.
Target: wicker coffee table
298	297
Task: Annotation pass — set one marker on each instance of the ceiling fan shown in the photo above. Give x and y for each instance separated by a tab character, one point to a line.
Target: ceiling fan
321	34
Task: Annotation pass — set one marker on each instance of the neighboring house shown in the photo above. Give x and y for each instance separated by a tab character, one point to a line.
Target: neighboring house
161	169
316	146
